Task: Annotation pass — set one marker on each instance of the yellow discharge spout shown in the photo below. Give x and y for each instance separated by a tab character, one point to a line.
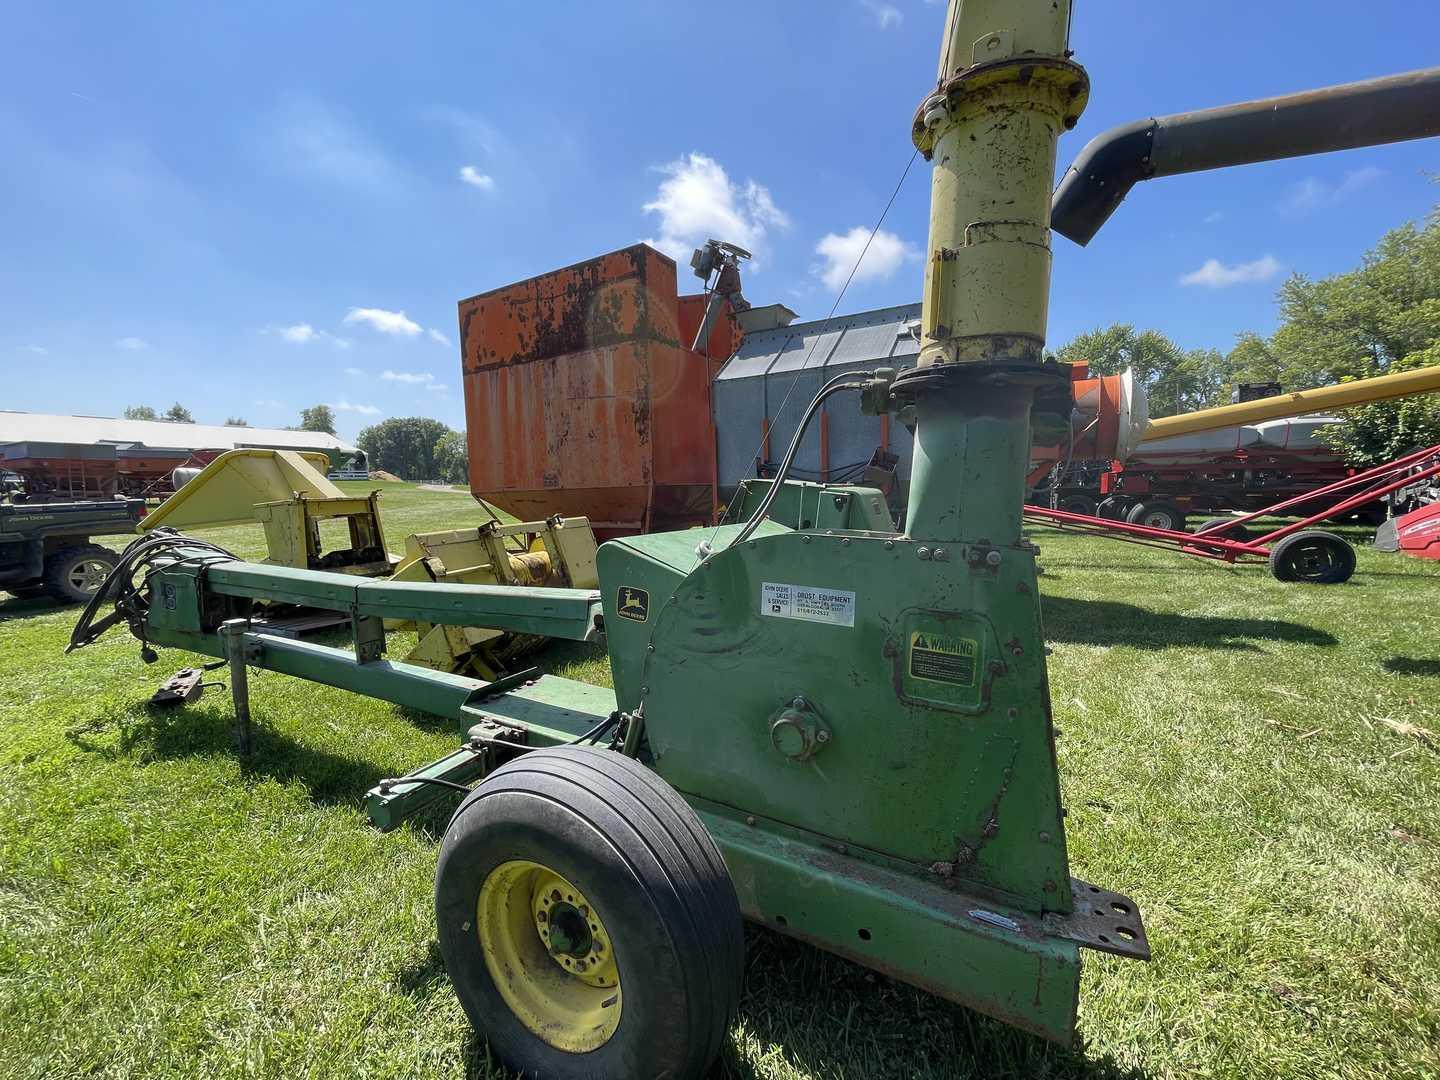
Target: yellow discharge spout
1299	402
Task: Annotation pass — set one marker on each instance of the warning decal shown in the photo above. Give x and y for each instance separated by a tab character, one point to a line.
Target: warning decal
940	658
833	606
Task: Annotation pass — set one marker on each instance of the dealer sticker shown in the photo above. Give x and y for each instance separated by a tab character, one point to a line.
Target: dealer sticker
833	606
941	658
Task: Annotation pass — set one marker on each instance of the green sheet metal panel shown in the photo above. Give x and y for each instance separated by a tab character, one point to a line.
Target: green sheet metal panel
925	758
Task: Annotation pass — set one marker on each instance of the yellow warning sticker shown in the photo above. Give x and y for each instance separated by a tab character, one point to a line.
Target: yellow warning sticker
941	658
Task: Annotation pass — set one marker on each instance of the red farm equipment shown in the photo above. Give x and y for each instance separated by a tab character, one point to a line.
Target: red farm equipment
1295	551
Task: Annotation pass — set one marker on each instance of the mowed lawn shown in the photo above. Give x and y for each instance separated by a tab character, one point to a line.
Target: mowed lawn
1257	764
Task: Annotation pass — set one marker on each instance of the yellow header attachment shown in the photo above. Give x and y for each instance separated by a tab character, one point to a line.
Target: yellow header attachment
225	491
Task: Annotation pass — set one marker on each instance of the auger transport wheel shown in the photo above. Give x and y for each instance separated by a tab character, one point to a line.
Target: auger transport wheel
1315	557
587	920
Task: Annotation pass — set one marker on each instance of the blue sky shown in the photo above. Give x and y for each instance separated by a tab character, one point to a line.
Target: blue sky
255	207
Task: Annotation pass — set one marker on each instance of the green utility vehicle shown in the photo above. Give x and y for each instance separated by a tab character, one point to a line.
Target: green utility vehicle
45	548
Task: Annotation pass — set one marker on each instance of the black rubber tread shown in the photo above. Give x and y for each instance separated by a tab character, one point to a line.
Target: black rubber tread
675	874
58	563
1113	508
1150	506
1280	555
707	884
1226	528
1079	504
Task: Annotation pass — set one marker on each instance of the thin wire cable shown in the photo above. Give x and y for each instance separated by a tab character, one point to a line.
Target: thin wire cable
707	545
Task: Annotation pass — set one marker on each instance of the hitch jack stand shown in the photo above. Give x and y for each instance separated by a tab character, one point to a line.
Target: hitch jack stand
232	633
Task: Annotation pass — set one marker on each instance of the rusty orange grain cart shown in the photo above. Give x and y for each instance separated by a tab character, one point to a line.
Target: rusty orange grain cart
583	397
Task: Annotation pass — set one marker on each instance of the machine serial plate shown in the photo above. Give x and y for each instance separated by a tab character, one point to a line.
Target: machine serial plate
833	606
942	658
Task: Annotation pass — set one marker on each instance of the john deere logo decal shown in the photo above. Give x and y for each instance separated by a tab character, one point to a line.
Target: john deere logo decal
633	604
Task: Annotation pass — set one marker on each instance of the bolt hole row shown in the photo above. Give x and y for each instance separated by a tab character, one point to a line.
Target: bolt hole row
863	933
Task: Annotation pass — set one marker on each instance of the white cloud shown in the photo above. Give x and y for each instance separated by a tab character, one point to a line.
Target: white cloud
364	410
1214	216
300	333
885	15
132	344
1312	193
317	141
475	178
441	387
38	350
1217	275
396	323
353	371
303	334
412	377
839	251
436	335
697	200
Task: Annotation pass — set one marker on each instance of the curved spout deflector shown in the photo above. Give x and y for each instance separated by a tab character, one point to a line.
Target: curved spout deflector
1370	113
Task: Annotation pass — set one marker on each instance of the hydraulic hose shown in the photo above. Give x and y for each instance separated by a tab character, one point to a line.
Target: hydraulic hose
850	380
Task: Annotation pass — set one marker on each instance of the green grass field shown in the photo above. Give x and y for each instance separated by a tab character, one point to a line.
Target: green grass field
1257	764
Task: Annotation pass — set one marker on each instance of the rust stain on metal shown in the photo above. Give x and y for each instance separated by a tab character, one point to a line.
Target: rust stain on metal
580	397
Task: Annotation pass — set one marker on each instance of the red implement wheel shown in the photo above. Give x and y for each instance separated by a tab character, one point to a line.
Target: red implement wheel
1315	557
1157	514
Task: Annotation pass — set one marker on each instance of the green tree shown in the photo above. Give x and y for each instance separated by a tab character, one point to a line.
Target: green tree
1374	434
318	418
236	421
1177	380
403	445
452	458
1381	317
177	414
140	412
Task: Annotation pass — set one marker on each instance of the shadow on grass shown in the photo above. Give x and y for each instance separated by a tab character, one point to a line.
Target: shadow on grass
829	1017
168	734
824	1016
1409	665
23	607
1109	622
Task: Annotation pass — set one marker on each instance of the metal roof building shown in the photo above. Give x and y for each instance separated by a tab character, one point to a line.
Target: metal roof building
766	385
16	427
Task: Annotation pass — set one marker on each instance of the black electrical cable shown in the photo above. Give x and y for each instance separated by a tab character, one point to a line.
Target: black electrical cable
130	601
850	380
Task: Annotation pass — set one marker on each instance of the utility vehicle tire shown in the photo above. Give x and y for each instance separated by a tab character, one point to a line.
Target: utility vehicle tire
587	920
1224	527
1113	508
1078	504
1157	514
1315	557
73	574
27	592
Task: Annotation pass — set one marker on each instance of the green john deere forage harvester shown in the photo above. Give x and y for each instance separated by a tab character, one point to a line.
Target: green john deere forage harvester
842	732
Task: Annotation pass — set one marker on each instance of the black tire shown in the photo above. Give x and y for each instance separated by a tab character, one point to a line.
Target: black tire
27	592
1113	508
1314	557
1225	527
73	574
1157	514
1078	504
657	883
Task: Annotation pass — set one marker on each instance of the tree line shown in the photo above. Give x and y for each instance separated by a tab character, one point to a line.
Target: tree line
416	448
1381	317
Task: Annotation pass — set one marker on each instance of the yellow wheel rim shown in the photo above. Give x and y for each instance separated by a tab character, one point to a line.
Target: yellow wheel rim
549	955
